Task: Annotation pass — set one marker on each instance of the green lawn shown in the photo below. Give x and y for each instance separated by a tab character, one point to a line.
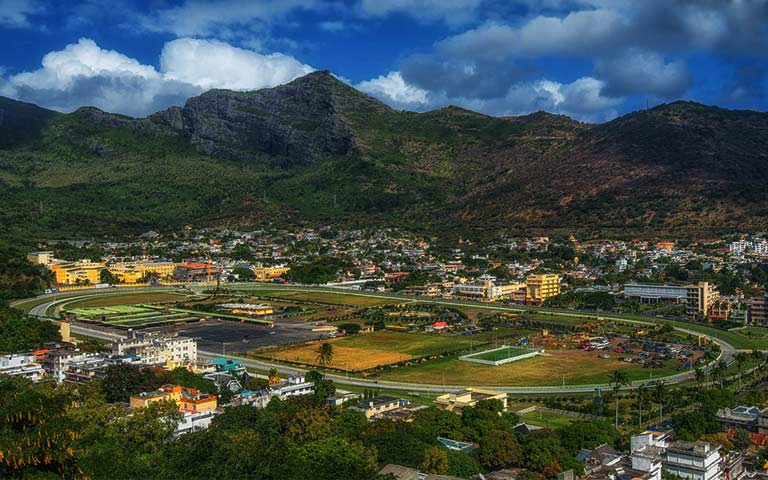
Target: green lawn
546	419
495	356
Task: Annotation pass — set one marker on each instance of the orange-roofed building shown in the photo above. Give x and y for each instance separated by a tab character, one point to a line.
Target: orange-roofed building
187	399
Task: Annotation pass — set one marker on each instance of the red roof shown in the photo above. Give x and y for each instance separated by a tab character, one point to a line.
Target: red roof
439	325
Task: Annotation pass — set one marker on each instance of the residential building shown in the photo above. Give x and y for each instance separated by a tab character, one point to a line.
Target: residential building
295	386
694	460
455	402
540	287
57	362
647	293
168	350
40	258
374	407
398	472
739	417
700	300
21	365
762	422
758	310
252	398
197	408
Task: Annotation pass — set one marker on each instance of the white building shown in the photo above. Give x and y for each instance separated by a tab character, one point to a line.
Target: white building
294	387
194	421
695	460
157	349
21	365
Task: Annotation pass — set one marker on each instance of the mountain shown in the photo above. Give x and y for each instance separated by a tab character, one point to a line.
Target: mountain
317	150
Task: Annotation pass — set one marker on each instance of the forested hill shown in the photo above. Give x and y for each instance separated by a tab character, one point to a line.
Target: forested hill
316	150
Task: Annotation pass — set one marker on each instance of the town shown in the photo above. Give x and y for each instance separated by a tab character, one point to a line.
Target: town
548	333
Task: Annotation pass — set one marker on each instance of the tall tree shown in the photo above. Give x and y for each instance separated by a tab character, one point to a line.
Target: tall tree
435	461
324	355
619	378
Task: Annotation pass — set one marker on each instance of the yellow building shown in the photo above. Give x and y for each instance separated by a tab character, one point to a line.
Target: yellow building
134	272
78	273
538	288
700	299
265	273
187	399
455	402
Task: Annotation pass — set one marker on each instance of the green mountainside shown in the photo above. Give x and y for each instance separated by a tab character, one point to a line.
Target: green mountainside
316	150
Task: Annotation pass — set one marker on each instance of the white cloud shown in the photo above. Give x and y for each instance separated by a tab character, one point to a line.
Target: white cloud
15	13
394	90
205	18
583	99
333	26
85	74
212	64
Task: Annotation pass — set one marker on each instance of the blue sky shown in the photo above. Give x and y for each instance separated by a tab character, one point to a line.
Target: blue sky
590	59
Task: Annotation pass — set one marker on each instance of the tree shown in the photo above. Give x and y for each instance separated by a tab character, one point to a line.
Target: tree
324	355
435	461
500	449
335	458
619	378
243	274
274	376
107	277
741	359
660	394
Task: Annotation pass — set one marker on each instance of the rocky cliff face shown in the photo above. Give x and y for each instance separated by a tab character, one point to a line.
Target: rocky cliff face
290	125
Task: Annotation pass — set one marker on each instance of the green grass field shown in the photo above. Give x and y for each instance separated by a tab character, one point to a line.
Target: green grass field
546	419
361	352
495	356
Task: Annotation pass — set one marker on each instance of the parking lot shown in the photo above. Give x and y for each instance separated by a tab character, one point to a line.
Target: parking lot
235	337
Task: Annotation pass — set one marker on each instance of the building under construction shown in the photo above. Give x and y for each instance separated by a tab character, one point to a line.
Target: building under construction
196	272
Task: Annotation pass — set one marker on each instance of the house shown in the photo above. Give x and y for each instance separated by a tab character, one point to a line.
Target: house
252	398
197	408
739	417
375	407
155	348
404	473
21	365
224	380
762	422
695	460
293	387
455	402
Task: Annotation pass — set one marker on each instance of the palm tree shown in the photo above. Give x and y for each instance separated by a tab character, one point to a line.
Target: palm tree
619	378
661	394
741	359
324	355
699	376
640	397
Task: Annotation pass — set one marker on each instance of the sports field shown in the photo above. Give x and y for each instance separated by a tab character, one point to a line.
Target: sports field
124	299
573	367
132	316
361	352
503	354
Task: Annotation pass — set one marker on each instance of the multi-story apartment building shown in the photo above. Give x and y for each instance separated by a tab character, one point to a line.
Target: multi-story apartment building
758	310
170	351
700	300
197	408
21	365
538	288
694	460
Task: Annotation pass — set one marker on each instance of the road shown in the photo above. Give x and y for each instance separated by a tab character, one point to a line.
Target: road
45	309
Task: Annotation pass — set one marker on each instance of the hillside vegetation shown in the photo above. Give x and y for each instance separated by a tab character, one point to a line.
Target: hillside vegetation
316	150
